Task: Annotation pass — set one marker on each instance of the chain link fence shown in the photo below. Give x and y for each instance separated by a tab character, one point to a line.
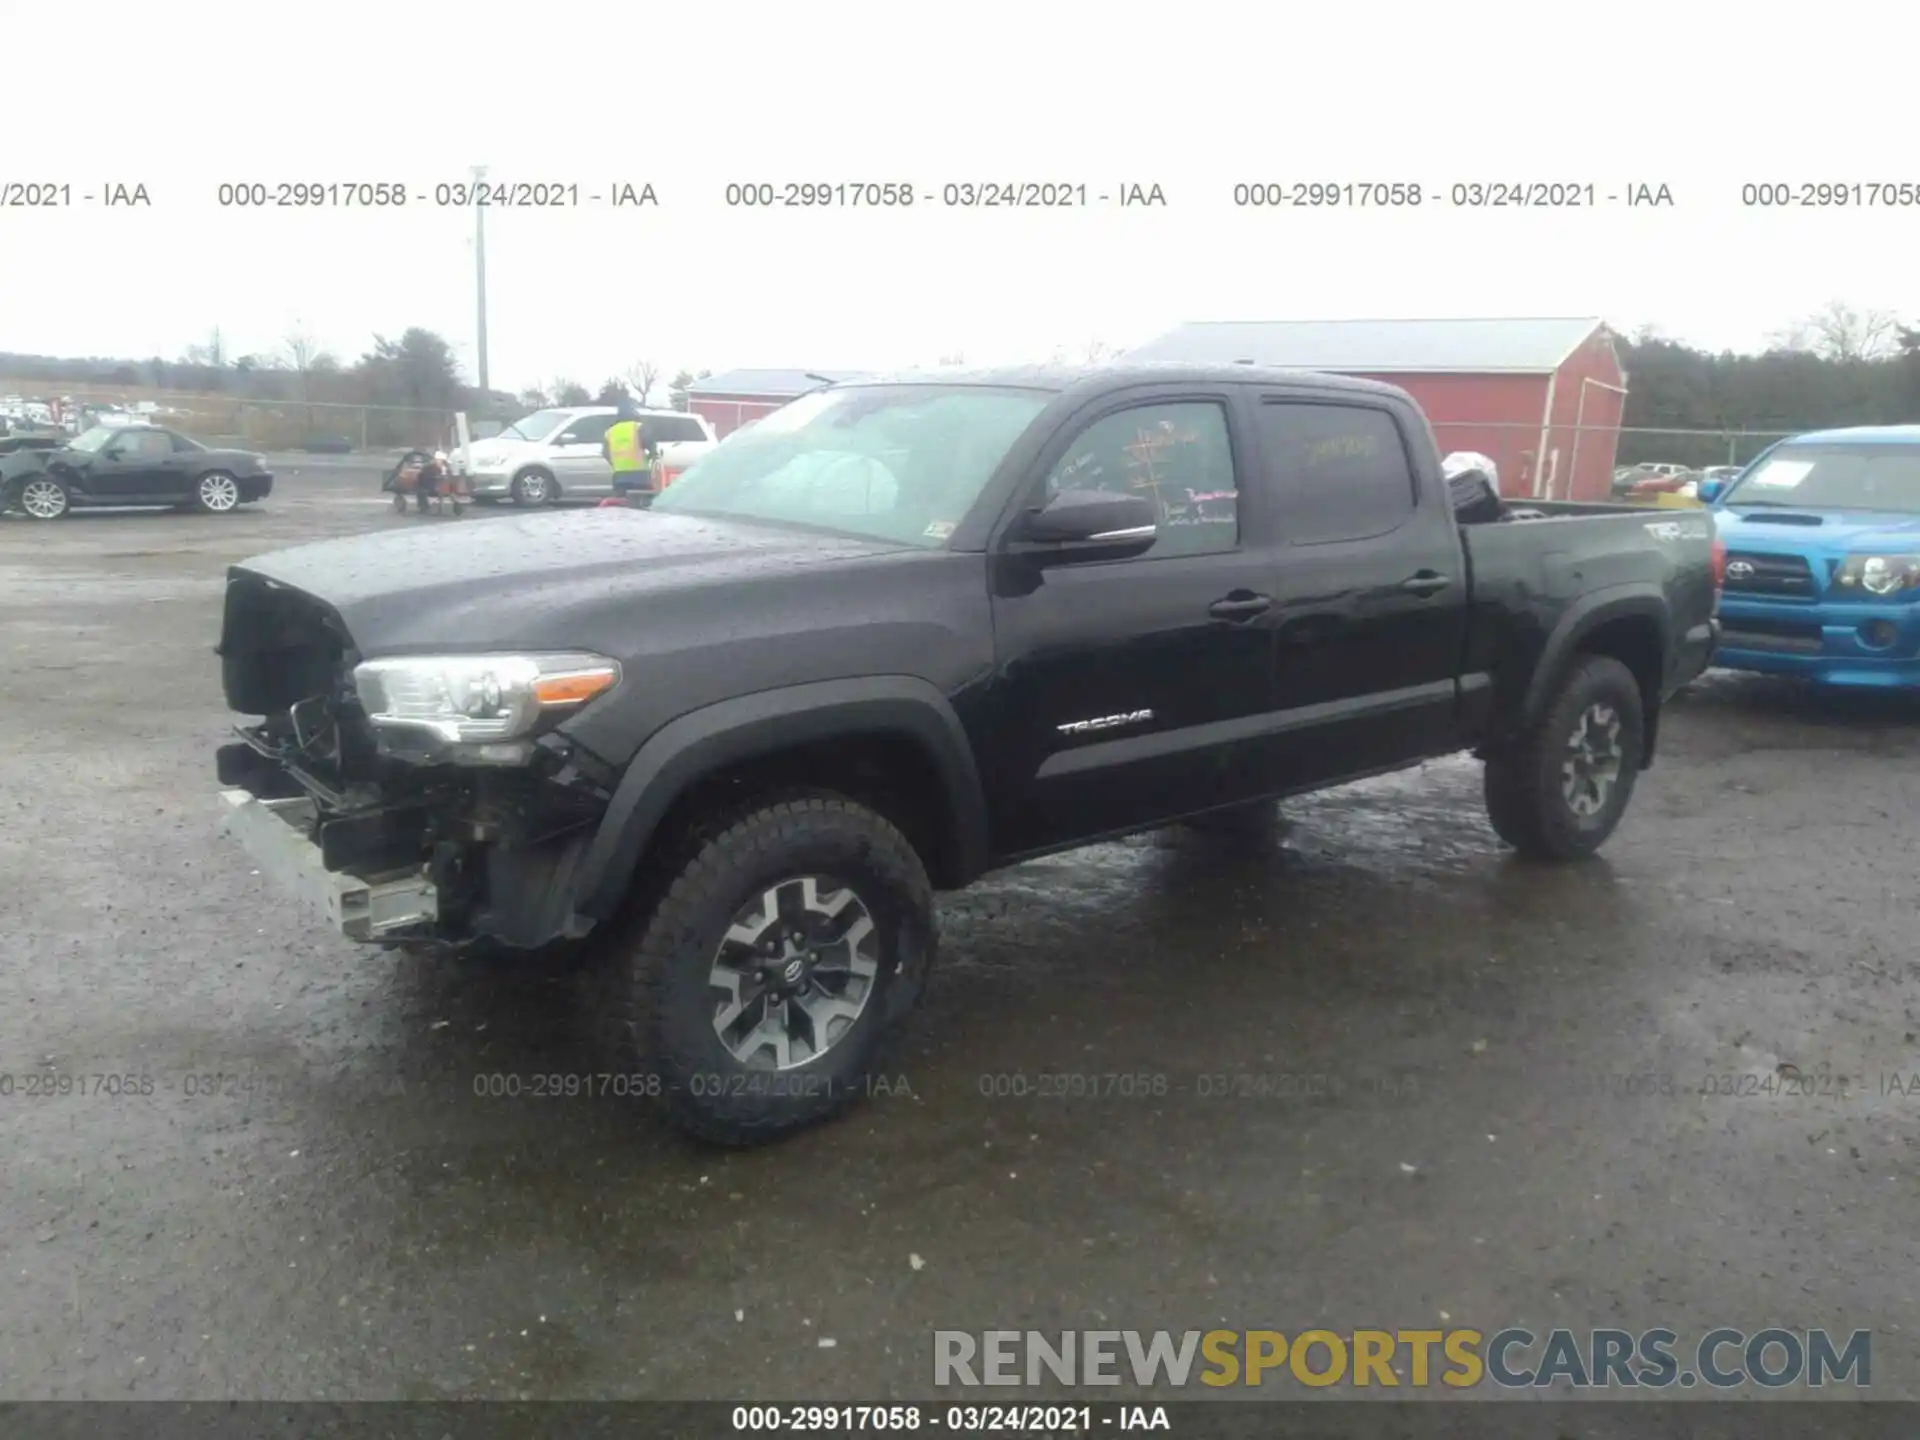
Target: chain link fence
1585	462
256	424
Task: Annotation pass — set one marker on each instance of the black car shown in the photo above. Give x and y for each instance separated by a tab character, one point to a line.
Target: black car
914	631
131	465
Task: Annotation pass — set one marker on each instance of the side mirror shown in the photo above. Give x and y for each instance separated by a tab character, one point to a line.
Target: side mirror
114	452
1090	525
1709	491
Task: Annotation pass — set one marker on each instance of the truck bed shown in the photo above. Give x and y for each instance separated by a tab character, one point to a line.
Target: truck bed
1528	577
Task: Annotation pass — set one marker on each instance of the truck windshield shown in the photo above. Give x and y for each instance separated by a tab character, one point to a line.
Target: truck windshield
895	462
1835	477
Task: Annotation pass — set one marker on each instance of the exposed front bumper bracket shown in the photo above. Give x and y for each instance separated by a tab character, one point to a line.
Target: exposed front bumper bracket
274	833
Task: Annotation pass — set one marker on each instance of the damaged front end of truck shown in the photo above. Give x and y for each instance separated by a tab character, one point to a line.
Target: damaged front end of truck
413	797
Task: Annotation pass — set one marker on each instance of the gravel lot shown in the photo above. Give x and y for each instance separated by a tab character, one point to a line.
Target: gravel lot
1457	1083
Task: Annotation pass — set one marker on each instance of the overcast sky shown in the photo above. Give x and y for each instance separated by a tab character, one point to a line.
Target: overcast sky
1194	98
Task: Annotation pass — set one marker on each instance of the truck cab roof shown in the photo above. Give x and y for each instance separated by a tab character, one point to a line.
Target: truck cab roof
1862	434
1064	378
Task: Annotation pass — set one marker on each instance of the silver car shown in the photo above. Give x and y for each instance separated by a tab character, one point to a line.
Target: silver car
556	454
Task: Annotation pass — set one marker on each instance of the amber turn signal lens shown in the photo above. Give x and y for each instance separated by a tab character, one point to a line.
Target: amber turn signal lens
571	689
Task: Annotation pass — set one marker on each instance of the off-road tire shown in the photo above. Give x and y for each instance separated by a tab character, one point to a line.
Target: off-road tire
654	991
1523	786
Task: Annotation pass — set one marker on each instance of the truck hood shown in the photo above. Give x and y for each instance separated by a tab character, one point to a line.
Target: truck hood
1822	530
528	581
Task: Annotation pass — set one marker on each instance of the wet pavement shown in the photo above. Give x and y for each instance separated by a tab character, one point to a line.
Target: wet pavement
1375	1072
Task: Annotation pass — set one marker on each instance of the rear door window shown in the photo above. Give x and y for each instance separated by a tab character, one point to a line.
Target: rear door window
671	429
1338	472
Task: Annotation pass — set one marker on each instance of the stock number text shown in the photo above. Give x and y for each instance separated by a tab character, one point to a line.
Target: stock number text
1317	194
810	194
312	194
1824	194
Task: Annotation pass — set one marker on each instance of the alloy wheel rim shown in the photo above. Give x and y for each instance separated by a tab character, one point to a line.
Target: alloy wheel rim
43	499
534	487
794	973
217	492
1593	760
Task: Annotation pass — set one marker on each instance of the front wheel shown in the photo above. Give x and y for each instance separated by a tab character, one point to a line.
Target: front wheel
44	498
535	487
1562	790
789	941
217	492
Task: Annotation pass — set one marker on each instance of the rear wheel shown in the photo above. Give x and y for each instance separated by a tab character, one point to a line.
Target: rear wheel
789	941
1563	789
534	487
44	498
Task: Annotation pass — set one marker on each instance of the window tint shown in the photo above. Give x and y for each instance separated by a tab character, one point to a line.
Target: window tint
587	430
671	429
145	444
1340	471
182	445
1177	456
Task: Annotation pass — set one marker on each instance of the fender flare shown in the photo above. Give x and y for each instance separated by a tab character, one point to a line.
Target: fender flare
1637	600
1582	618
730	731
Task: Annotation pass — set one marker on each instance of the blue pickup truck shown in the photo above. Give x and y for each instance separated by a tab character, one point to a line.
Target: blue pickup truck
1822	561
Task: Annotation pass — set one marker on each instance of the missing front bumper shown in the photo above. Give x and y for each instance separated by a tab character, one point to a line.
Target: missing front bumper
274	833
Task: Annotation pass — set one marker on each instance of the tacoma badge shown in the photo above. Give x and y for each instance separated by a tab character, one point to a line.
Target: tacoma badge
1105	722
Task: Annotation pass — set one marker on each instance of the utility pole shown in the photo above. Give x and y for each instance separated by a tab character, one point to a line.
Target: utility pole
480	282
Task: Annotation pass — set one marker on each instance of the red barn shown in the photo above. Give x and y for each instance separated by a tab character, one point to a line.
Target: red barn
1543	398
731	399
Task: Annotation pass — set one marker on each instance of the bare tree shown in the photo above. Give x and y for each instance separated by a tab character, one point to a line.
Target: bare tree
952	357
1844	333
643	375
213	353
1100	351
1840	332
302	354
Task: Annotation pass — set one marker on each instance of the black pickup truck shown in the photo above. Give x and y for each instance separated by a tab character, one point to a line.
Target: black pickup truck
905	632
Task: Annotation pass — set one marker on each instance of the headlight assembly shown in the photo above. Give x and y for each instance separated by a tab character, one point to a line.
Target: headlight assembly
1880	574
467	698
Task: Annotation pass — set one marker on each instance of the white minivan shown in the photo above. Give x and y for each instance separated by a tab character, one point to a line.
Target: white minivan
556	454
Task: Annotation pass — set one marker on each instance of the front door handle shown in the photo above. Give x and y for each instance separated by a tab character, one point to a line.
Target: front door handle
1240	607
1426	583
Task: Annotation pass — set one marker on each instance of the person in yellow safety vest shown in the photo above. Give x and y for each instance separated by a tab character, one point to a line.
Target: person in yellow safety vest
628	451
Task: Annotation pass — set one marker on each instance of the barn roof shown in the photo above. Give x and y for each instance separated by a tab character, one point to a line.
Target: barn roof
1379	347
775	384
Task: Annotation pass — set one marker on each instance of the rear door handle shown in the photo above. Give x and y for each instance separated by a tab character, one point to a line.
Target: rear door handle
1240	607
1426	583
